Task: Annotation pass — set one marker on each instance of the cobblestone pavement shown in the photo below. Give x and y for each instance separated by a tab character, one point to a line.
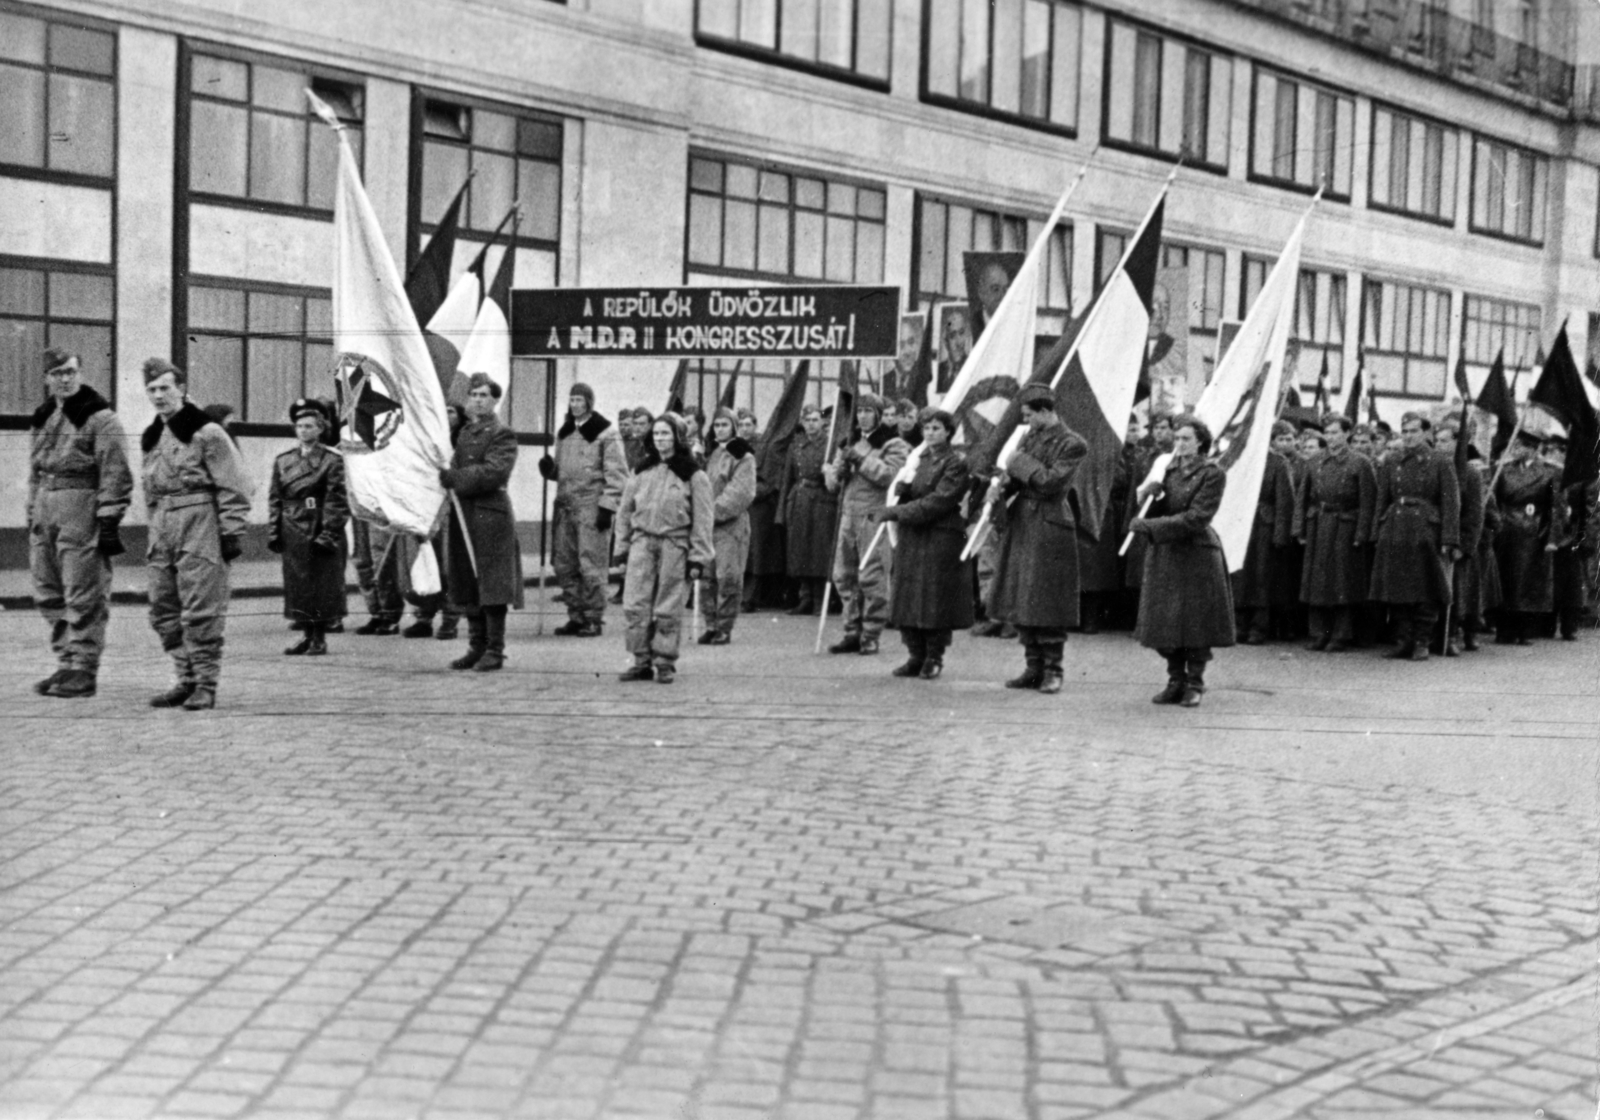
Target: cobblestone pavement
790	887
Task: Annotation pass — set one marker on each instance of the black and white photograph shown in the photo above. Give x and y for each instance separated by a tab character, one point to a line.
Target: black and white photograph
800	560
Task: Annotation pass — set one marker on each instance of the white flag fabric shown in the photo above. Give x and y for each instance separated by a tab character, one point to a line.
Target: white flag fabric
1238	403
451	327
488	348
397	436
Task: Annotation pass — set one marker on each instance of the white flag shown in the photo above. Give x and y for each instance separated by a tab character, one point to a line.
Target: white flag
397	435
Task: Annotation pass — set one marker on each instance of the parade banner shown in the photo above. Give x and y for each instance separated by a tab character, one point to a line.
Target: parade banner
811	321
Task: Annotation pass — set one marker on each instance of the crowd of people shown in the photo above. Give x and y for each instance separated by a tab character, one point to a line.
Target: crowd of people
1358	539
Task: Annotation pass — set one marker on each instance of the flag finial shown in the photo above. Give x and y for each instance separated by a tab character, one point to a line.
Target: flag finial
323	110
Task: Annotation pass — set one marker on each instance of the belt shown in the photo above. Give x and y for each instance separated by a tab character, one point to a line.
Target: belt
52	481
1330	507
184	500
1415	503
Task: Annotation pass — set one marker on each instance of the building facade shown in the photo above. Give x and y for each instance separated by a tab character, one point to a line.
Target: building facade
165	191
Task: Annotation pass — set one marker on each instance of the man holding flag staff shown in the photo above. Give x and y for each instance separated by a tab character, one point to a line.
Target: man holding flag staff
863	470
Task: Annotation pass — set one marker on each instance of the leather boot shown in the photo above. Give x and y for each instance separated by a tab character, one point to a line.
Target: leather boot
1052	655
1171	694
1194	683
74	684
494	653
477	641
319	641
43	687
916	653
1033	675
303	646
850	643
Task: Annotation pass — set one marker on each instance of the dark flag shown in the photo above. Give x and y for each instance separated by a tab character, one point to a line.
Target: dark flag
773	449
428	282
726	400
1592	372
1495	398
844	407
1291	399
1324	400
1352	403
678	390
921	378
1560	392
1463	386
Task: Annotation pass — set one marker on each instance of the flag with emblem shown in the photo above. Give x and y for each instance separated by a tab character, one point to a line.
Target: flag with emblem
389	394
1231	406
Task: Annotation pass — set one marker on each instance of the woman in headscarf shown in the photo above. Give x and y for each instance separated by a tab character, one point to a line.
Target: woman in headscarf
807	512
1186	606
663	528
307	508
931	585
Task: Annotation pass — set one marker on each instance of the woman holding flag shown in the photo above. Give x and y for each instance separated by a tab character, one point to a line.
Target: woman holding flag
1186	608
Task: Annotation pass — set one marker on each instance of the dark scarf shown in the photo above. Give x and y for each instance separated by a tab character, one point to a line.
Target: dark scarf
736	447
880	435
184	424
590	429
78	407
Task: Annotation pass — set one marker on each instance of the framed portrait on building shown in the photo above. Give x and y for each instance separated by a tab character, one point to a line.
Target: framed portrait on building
952	328
988	276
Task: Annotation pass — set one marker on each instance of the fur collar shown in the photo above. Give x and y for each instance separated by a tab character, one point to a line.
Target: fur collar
881	435
736	447
184	424
681	464
78	407
590	429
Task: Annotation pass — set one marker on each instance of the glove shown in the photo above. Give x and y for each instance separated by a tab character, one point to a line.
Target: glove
887	513
696	571
275	544
110	543
547	468
447	479
602	521
231	549
325	545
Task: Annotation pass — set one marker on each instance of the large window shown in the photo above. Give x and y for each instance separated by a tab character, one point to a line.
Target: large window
1405	332
252	134
1017	58
1413	166
946	231
760	221
1205	268
1301	136
46	303
1320	303
1508	190
57	96
1491	325
849	37
258	347
1166	96
512	156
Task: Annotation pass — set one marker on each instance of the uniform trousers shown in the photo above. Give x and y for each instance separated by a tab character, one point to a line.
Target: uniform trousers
71	579
580	557
189	588
654	593
863	592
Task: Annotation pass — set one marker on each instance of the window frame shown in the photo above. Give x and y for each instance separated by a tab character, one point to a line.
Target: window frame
916	291
985	109
21	420
51	17
188	49
774	56
1408	357
791	207
1515	358
246	425
1338	286
1372	165
1266	177
1539	159
1190	43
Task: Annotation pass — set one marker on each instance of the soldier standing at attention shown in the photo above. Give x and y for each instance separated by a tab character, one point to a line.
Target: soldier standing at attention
1418	537
78	490
589	470
198	499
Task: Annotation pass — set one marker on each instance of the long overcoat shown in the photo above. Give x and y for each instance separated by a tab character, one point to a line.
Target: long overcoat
486	453
1036	569
1419	513
1531	516
307	508
1186	602
1334	517
932	586
766	535
1576	546
1141	459
1256	584
807	512
1469	571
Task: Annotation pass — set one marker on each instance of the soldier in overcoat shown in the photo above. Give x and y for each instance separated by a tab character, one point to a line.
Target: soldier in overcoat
763	585
79	487
1257	587
1418	537
1466	607
483	559
664	531
1568	595
307	508
731	467
1334	519
198	501
1036	569
1532	524
932	584
1186	605
807	512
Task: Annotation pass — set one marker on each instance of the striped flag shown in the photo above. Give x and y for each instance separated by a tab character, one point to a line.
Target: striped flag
388	391
488	348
